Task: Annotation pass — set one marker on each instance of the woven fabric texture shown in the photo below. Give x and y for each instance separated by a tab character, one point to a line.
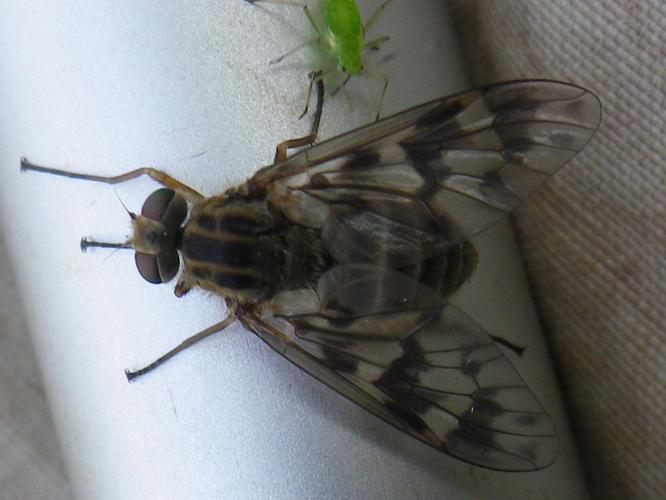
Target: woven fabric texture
594	238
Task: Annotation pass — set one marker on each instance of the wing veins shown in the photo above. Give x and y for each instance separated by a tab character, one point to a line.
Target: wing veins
476	439
419	362
351	317
414	199
453	349
346	353
530	412
476	423
467	195
500	127
489	406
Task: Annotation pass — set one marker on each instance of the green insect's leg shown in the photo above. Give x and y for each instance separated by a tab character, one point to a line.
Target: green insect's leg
376	43
375	15
339	87
295	49
381	99
311	18
306	9
373	73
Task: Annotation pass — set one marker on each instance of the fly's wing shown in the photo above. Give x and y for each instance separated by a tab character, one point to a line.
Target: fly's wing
458	162
387	199
393	346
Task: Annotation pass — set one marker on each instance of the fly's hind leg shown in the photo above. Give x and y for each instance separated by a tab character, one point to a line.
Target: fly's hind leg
157	175
281	149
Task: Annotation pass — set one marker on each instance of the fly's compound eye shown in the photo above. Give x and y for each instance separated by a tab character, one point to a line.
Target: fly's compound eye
147	266
157	203
157	269
170	209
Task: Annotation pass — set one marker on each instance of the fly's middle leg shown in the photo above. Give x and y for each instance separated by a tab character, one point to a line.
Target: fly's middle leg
281	149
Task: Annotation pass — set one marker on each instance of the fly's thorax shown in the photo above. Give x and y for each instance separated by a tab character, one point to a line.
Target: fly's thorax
233	247
241	248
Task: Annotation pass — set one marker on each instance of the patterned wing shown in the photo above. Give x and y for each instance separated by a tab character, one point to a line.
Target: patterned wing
450	167
393	206
387	342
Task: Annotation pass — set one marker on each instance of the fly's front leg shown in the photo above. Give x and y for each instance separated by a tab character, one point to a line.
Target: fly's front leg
314	76
281	150
190	341
157	175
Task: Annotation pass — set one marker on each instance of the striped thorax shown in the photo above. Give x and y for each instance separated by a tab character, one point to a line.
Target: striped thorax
242	249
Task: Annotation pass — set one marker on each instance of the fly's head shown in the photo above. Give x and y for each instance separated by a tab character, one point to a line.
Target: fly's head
155	237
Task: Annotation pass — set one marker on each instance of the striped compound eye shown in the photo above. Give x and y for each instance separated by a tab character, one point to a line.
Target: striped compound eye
168	210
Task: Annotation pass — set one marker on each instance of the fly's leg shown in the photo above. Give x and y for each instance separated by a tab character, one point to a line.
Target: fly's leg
218	327
281	149
313	76
160	177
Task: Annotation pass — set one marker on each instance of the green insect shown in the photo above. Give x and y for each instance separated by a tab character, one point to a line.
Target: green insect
341	34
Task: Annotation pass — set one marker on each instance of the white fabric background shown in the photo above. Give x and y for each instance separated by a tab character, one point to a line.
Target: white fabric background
594	237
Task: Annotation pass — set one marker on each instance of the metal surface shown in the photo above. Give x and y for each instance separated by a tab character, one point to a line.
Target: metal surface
185	86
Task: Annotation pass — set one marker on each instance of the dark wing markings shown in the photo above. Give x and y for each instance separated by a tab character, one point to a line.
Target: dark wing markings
447	408
466	159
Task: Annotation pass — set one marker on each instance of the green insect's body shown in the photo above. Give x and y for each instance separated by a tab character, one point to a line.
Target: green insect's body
344	35
341	34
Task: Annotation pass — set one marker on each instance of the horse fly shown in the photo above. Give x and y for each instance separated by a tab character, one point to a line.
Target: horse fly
342	258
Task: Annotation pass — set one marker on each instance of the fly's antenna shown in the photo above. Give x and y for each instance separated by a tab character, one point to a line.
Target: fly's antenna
87	243
132	215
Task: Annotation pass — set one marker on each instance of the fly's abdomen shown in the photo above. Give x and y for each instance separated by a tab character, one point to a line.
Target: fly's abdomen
448	270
